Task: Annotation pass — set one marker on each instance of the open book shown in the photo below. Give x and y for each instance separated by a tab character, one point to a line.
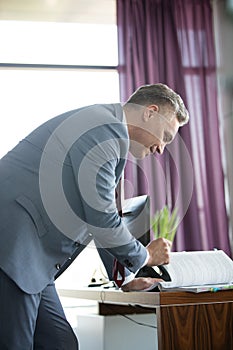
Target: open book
198	271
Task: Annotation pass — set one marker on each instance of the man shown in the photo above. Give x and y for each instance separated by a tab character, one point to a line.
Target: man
57	193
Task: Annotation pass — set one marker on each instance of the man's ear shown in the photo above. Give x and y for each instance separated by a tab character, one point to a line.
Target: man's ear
149	112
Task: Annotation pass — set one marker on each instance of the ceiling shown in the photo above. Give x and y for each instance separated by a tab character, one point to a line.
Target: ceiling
83	11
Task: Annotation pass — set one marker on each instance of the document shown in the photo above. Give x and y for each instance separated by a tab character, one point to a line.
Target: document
199	271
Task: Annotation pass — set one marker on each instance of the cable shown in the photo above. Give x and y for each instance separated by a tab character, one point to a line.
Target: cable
138	323
131	319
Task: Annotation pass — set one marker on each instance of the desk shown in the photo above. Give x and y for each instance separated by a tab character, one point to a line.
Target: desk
186	321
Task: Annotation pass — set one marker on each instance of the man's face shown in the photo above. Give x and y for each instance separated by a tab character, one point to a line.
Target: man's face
153	132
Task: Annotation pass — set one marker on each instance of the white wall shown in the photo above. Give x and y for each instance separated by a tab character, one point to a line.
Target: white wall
223	26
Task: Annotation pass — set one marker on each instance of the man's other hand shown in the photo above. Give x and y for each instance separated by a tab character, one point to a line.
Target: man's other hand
140	283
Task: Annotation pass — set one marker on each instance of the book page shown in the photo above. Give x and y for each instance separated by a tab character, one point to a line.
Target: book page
202	288
198	268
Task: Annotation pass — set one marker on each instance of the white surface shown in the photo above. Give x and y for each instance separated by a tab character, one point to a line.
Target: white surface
97	332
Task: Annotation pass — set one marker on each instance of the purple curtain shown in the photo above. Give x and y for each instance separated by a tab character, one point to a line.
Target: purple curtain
172	42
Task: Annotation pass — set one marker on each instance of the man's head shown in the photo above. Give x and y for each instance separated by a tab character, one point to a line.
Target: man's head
154	114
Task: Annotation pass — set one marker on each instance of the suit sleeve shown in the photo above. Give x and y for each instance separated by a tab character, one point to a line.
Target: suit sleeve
96	176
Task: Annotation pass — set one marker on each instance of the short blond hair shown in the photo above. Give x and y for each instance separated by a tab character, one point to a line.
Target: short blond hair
161	95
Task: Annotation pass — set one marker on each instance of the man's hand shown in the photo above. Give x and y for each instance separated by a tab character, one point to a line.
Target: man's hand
159	251
140	283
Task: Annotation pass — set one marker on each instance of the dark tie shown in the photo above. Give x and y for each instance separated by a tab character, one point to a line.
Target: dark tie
118	273
118	269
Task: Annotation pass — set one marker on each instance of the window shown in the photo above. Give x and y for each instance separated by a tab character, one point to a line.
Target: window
50	68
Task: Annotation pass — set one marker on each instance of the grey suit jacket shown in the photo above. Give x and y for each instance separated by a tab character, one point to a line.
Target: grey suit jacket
57	193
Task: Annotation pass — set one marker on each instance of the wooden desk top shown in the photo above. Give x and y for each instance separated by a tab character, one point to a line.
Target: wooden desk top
149	299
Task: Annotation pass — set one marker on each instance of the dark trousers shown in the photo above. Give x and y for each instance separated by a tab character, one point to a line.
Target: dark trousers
33	321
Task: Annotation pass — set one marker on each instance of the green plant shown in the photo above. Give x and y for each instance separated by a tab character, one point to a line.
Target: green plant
164	223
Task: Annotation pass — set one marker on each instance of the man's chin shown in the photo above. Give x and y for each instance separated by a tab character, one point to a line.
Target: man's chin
139	154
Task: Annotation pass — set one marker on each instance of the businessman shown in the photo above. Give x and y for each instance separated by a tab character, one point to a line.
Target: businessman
57	193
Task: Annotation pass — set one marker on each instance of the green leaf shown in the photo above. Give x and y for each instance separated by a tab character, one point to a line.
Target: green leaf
164	224
155	225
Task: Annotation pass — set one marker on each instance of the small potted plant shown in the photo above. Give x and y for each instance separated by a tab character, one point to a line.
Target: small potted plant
164	223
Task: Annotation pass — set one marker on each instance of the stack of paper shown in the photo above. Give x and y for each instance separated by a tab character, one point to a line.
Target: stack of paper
199	271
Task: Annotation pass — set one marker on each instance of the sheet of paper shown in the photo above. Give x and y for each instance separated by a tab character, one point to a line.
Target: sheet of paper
203	288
